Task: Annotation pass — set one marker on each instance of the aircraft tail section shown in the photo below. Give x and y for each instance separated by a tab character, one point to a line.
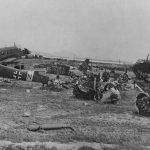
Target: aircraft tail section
12	73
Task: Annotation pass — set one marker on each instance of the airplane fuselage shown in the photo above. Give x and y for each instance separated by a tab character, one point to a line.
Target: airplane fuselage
12	73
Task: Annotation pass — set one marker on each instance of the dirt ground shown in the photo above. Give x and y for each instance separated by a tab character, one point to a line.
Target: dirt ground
92	125
101	126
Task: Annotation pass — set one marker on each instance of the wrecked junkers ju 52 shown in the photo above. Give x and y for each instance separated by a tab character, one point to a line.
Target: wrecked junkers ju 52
142	69
143	100
12	52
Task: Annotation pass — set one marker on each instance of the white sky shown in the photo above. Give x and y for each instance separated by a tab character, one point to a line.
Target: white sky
104	29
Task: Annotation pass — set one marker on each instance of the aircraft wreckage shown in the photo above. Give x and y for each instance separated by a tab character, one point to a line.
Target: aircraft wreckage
142	69
33	76
142	83
88	86
102	89
143	102
93	87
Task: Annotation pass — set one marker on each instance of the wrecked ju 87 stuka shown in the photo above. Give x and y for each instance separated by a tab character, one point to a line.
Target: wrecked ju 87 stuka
143	100
143	104
88	89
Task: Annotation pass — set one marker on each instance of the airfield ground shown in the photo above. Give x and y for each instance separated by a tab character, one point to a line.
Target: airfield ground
103	126
97	125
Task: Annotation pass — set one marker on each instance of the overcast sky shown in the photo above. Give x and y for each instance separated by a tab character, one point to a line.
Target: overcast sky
104	29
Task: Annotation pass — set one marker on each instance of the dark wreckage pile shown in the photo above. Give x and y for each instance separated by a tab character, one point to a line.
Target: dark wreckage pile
143	98
94	87
107	90
88	86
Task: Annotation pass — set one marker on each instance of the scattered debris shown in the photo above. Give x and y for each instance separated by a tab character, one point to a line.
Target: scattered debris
35	128
111	93
105	76
59	68
123	78
88	88
84	66
27	114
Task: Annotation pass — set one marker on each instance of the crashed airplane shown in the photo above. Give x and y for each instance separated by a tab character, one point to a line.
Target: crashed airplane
12	73
12	52
142	69
33	76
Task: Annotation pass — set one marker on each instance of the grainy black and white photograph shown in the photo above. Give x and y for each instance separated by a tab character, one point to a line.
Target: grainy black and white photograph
74	75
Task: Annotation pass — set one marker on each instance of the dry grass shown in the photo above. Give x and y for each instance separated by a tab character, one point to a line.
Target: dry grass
92	122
